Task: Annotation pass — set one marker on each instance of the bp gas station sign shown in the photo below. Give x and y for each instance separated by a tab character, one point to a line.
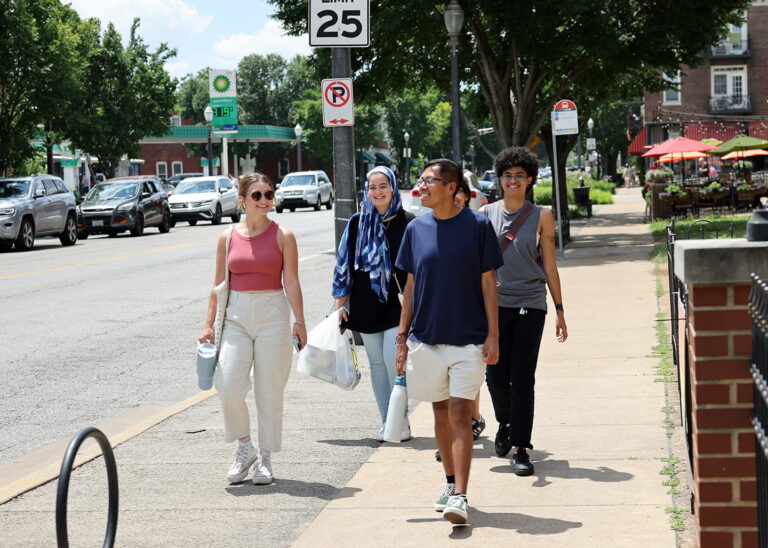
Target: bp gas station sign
223	99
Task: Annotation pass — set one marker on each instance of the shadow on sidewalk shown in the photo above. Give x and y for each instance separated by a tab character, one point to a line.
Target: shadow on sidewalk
362	442
522	523
294	488
545	468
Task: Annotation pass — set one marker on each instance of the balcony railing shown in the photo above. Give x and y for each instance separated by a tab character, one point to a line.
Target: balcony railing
730	50
730	104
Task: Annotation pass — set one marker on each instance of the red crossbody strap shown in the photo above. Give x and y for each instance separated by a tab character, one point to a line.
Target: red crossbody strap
511	235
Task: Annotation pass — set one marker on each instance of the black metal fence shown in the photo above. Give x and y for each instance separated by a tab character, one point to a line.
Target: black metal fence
758	310
62	494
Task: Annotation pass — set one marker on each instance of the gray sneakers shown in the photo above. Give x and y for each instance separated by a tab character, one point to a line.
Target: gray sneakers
446	491
456	510
262	472
246	455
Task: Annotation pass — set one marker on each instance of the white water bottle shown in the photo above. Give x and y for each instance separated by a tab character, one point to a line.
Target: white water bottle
398	403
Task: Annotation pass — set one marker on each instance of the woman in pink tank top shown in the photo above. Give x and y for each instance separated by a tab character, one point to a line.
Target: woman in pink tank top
261	264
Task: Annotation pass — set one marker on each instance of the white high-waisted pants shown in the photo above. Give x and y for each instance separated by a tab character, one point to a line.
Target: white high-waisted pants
256	336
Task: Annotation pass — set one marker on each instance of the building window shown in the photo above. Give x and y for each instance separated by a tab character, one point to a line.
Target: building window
729	80
162	169
177	167
283	168
176	120
672	95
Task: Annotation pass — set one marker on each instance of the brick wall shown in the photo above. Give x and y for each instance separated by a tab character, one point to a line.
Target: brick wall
723	438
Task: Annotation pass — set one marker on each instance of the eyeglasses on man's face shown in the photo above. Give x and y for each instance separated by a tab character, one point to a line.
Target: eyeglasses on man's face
431	181
508	177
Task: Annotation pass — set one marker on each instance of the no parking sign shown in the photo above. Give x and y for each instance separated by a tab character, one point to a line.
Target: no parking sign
338	107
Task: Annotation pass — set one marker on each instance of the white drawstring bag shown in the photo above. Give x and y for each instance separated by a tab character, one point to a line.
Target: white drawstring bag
330	355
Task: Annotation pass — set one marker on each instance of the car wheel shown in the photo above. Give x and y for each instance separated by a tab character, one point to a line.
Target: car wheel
193	222
112	234
173	223
26	238
69	236
291	209
278	209
329	204
165	226
138	226
83	235
317	203
236	217
216	219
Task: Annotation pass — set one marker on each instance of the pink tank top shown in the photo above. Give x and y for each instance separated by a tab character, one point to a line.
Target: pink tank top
255	263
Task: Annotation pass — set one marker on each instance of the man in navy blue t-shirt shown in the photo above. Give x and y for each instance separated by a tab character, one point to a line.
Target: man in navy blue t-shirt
449	321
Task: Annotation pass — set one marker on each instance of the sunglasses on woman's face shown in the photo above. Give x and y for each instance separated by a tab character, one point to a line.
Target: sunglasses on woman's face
256	195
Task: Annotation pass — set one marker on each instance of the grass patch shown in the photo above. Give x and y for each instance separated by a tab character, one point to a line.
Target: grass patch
676	520
600	192
721	223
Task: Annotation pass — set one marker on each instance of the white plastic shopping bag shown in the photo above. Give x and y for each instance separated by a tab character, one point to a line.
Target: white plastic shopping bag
330	355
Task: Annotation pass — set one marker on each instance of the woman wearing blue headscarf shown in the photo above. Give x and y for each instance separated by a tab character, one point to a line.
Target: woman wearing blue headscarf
366	283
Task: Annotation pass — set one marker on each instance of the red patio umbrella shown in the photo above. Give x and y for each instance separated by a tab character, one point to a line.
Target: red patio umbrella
680	144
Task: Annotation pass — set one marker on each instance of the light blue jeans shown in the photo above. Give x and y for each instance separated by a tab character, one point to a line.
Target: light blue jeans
380	349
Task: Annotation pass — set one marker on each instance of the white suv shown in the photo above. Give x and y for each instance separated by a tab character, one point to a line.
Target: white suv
204	199
304	189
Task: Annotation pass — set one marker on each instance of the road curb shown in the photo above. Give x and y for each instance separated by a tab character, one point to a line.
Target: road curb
50	468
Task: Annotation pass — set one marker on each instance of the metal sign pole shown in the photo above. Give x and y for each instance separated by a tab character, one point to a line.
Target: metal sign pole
556	181
343	153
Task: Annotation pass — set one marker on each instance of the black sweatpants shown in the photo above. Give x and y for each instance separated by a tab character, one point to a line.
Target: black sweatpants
511	381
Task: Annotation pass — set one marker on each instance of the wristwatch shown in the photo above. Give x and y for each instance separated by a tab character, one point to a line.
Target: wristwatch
559	307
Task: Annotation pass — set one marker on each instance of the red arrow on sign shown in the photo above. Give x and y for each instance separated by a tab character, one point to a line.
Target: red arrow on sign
339	121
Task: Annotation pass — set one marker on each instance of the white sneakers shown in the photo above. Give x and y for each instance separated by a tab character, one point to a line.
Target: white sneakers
405	436
262	472
246	455
380	435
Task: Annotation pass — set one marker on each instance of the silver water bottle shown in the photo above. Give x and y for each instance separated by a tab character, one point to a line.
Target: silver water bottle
398	403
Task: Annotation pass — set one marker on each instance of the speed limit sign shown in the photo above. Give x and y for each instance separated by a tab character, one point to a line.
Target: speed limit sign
334	24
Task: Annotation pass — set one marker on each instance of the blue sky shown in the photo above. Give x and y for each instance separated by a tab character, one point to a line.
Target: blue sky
205	34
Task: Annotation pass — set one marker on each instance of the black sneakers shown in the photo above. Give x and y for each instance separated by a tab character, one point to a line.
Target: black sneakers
503	442
521	463
477	427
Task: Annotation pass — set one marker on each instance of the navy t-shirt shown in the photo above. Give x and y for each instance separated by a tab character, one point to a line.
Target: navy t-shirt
447	258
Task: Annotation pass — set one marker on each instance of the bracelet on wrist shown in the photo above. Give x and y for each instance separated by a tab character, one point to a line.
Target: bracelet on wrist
302	324
559	306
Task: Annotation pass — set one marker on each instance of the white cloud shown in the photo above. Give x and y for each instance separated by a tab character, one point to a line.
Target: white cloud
157	16
271	38
179	68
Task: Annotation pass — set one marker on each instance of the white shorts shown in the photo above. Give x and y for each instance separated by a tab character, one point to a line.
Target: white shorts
435	372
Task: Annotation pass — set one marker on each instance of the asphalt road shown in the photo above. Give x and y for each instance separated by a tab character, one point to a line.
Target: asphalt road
94	330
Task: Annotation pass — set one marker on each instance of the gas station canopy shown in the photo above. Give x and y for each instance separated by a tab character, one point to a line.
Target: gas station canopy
199	134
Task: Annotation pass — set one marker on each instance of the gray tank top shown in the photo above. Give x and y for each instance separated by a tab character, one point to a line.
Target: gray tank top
521	281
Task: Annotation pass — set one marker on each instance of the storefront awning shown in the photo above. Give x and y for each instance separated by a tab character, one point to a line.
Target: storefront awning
383	159
368	158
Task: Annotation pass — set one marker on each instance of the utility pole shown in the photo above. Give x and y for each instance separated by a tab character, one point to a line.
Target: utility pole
343	153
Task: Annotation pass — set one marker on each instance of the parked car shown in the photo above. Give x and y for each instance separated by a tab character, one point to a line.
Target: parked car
304	189
37	205
179	177
204	199
545	173
122	204
489	184
412	200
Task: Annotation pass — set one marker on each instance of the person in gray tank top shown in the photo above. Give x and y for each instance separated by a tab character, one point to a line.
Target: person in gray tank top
527	238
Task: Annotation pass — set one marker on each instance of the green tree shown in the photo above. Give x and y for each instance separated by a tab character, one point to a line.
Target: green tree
43	50
192	96
128	95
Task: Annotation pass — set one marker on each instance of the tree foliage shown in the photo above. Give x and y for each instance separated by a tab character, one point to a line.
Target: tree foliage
43	51
127	95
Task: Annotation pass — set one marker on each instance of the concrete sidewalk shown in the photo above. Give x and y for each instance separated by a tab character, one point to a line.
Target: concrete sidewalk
598	436
597	431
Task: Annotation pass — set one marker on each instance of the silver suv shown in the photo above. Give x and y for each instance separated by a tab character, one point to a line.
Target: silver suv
304	189
37	205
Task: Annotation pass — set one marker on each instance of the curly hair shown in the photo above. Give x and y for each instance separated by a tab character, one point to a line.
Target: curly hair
517	157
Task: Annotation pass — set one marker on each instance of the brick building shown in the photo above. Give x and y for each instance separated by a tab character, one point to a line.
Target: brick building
725	96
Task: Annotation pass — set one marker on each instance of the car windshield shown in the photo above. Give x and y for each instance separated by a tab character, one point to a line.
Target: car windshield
13	189
194	187
113	191
299	180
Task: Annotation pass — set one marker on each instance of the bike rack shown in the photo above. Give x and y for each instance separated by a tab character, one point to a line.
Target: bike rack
62	537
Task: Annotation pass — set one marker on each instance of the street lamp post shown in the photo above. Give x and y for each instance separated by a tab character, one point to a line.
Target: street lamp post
590	127
297	131
454	19
208	113
407	155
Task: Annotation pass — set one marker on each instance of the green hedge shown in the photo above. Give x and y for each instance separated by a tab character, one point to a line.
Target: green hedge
600	192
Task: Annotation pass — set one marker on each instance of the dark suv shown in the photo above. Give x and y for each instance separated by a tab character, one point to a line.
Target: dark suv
117	205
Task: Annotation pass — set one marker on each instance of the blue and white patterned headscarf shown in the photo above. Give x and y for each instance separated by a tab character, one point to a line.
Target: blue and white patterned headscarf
372	246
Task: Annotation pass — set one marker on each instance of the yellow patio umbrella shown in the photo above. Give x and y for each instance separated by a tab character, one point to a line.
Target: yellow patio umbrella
744	154
677	156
